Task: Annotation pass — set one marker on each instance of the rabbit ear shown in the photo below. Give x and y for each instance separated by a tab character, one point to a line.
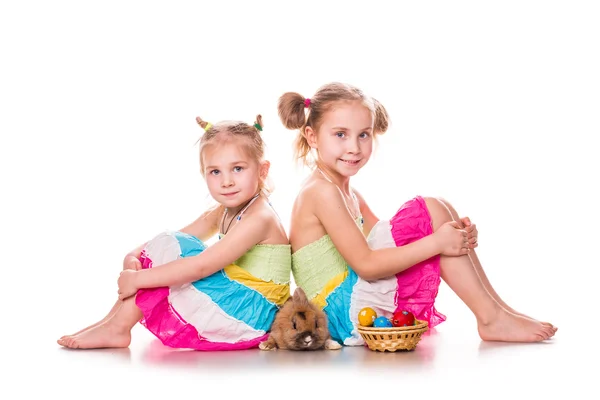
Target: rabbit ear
300	297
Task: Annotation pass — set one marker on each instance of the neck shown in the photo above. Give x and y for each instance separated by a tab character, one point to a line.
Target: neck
343	182
237	209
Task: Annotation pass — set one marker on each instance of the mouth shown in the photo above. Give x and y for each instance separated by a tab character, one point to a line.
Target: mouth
229	194
351	163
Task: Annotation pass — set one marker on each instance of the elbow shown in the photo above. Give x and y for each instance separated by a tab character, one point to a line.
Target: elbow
369	268
365	271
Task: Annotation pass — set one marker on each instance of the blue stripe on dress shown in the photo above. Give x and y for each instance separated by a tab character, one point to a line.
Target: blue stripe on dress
190	245
338	308
234	298
238	301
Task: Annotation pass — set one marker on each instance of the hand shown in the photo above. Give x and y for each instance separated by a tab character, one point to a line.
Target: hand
127	284
452	240
472	232
131	262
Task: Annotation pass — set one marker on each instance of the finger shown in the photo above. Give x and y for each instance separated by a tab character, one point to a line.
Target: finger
466	221
472	240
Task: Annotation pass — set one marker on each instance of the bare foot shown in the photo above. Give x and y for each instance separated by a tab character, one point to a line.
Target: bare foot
513	311
533	319
112	312
102	336
508	327
87	328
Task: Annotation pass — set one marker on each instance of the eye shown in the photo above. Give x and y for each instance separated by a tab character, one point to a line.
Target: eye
363	135
237	169
215	172
340	134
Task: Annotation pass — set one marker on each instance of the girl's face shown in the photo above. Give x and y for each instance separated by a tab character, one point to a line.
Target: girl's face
232	176
344	141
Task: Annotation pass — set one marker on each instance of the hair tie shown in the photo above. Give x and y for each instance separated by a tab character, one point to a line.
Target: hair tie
306	103
199	121
257	126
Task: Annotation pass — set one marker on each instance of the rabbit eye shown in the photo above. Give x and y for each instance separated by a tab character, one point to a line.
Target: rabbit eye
294	323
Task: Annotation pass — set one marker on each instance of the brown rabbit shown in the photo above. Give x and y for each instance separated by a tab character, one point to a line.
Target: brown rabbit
299	325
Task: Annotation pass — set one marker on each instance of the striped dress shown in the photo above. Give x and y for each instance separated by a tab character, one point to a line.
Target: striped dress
331	283
231	309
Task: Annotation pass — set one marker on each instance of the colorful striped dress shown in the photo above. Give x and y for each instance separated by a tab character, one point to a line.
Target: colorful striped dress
231	309
332	284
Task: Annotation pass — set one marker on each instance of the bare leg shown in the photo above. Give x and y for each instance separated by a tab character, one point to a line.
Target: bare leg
494	323
114	332
480	271
112	312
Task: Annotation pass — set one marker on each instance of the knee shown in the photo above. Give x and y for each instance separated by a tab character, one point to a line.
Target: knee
447	204
439	211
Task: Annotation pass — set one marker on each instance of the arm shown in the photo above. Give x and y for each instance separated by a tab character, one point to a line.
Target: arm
370	219
250	231
351	243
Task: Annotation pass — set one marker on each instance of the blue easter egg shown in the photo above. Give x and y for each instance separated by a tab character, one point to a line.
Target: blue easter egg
382	322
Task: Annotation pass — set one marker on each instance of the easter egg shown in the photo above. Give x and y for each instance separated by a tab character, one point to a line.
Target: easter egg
382	322
403	318
366	316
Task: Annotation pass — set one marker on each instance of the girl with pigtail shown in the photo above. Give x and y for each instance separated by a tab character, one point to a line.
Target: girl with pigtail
345	258
221	297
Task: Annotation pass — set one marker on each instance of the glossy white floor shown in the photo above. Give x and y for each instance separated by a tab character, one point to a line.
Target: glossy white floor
494	106
448	360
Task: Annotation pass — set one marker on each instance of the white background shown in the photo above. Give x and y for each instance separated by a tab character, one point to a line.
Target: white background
494	106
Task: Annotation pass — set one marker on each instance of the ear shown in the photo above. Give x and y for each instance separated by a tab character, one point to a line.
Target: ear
300	296
311	137
264	169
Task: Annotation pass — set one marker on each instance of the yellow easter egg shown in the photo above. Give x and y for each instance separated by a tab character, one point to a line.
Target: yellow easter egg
366	316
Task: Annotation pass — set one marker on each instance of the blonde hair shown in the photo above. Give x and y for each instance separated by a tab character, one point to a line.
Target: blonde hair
291	107
249	138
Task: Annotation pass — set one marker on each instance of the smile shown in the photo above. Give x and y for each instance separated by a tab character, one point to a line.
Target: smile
350	162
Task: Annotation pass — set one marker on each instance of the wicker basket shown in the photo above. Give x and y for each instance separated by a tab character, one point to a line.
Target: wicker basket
392	339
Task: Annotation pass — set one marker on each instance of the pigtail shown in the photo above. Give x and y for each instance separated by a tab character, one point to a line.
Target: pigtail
258	123
382	119
203	124
290	108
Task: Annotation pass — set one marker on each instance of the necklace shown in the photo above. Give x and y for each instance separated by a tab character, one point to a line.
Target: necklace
237	215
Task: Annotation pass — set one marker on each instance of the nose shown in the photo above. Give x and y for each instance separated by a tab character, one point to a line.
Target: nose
307	341
227	181
353	146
